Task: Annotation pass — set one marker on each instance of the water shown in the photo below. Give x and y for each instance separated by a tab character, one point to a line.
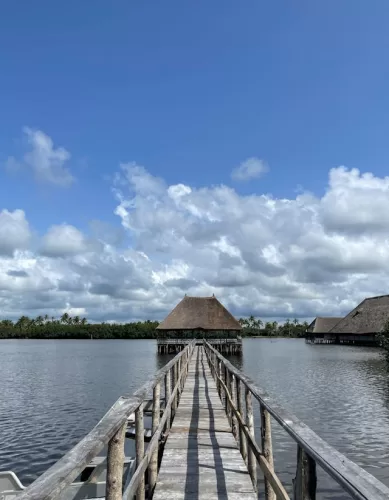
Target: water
53	392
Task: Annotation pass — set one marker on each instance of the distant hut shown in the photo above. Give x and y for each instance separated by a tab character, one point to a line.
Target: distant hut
362	324
198	317
322	325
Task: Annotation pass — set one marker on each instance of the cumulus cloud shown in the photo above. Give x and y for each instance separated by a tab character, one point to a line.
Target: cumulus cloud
14	231
48	164
63	240
272	257
251	168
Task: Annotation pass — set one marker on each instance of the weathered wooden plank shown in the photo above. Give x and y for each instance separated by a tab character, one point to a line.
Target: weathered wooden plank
201	456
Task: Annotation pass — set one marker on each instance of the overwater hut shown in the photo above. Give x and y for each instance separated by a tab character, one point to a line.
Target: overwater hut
199	317
359	327
362	324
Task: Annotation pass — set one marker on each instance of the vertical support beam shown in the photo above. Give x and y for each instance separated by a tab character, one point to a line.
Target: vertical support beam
251	462
115	463
226	373
140	448
153	465
174	405
242	437
267	449
233	397
168	392
220	366
305	481
179	365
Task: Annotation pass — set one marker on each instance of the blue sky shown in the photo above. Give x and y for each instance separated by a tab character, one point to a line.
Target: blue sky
190	90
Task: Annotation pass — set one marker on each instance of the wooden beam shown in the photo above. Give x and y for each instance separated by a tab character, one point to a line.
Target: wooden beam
115	463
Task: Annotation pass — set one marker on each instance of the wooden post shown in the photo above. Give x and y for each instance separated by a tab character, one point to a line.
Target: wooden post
140	448
305	481
220	368
174	404
153	465
227	387
242	437
168	392
115	463
251	462
233	397
178	377
267	449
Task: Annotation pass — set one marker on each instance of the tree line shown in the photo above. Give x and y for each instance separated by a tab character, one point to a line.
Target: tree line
67	327
253	327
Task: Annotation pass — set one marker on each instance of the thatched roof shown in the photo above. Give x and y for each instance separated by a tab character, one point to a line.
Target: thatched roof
370	316
194	313
323	325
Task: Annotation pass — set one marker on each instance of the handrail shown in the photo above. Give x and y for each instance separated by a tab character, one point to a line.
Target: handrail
312	449
111	430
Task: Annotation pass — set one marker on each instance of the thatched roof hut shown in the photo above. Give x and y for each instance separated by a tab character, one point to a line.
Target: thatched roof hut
199	313
369	317
322	324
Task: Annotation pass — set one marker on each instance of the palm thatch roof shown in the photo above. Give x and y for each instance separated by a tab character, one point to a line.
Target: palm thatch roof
194	313
370	316
323	325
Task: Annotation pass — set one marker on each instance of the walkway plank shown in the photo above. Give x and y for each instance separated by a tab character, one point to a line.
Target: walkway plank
201	459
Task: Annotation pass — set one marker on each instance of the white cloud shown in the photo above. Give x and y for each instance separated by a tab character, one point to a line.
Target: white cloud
303	256
48	164
251	168
62	241
14	231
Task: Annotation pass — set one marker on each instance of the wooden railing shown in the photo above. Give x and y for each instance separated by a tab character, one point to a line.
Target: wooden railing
311	449
111	430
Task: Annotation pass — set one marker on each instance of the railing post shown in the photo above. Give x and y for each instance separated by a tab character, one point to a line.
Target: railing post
115	464
174	403
140	448
179	376
305	481
153	465
168	392
251	462
226	389
233	398
267	448
242	437
220	371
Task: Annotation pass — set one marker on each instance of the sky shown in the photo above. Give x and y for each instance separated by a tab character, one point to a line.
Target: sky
150	150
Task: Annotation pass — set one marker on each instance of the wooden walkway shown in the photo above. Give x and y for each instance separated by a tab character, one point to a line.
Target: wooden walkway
201	459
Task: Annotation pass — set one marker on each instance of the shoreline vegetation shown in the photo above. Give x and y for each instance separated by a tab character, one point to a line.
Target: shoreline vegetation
67	327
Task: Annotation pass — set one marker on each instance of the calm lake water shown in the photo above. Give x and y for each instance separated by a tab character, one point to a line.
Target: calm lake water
53	392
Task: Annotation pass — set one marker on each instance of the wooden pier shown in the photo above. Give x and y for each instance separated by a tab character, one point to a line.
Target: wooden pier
201	458
203	444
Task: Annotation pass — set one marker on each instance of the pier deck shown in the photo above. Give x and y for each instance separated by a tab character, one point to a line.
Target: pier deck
201	457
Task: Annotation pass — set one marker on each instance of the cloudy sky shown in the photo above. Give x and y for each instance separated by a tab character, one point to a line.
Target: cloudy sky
148	151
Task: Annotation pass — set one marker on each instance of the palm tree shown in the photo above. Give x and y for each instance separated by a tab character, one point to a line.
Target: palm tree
39	320
84	321
76	320
65	318
23	323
